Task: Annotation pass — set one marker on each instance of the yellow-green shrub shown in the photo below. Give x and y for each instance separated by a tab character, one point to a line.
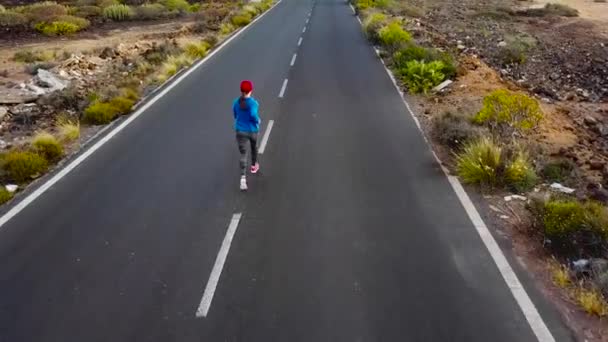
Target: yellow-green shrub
240	20
22	166
563	217
506	112
227	28
2	9
57	28
479	162
197	50
176	5
82	23
393	36
122	104
372	25
592	301
362	5
172	65
46	145
5	195
519	173
100	113
69	130
421	77
118	12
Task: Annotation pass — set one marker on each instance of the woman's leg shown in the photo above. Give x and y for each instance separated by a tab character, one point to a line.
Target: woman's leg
241	140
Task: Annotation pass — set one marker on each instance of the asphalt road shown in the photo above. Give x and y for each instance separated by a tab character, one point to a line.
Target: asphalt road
350	233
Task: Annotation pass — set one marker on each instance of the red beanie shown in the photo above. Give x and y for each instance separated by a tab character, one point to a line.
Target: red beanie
246	86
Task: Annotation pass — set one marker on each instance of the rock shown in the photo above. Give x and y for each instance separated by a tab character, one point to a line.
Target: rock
597	165
598	265
601	280
443	85
600	129
561	188
49	80
11	187
461	47
16	96
108	52
581	266
590	120
502	44
3	112
515	197
599	194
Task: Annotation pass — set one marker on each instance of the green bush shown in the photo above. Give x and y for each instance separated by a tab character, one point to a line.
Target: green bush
362	5
562	218
393	36
559	171
44	11
240	20
413	52
194	8
5	195
57	28
150	11
100	113
87	11
519	173
506	113
22	166
46	145
574	227
420	77
479	162
118	12
372	25
12	19
176	5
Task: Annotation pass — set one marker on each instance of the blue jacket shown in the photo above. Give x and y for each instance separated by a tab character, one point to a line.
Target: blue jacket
247	118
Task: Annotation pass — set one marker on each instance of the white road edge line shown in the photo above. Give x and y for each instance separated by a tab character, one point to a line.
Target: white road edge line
529	310
265	137
283	88
293	59
304	29
353	8
216	272
307	20
300	41
85	154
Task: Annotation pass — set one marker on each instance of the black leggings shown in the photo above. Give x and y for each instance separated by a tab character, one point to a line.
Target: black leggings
242	138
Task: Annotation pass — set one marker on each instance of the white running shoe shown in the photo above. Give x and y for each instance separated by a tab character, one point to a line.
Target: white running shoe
243	183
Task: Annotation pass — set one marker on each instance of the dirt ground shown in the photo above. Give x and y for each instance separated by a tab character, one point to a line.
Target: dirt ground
588	9
566	69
